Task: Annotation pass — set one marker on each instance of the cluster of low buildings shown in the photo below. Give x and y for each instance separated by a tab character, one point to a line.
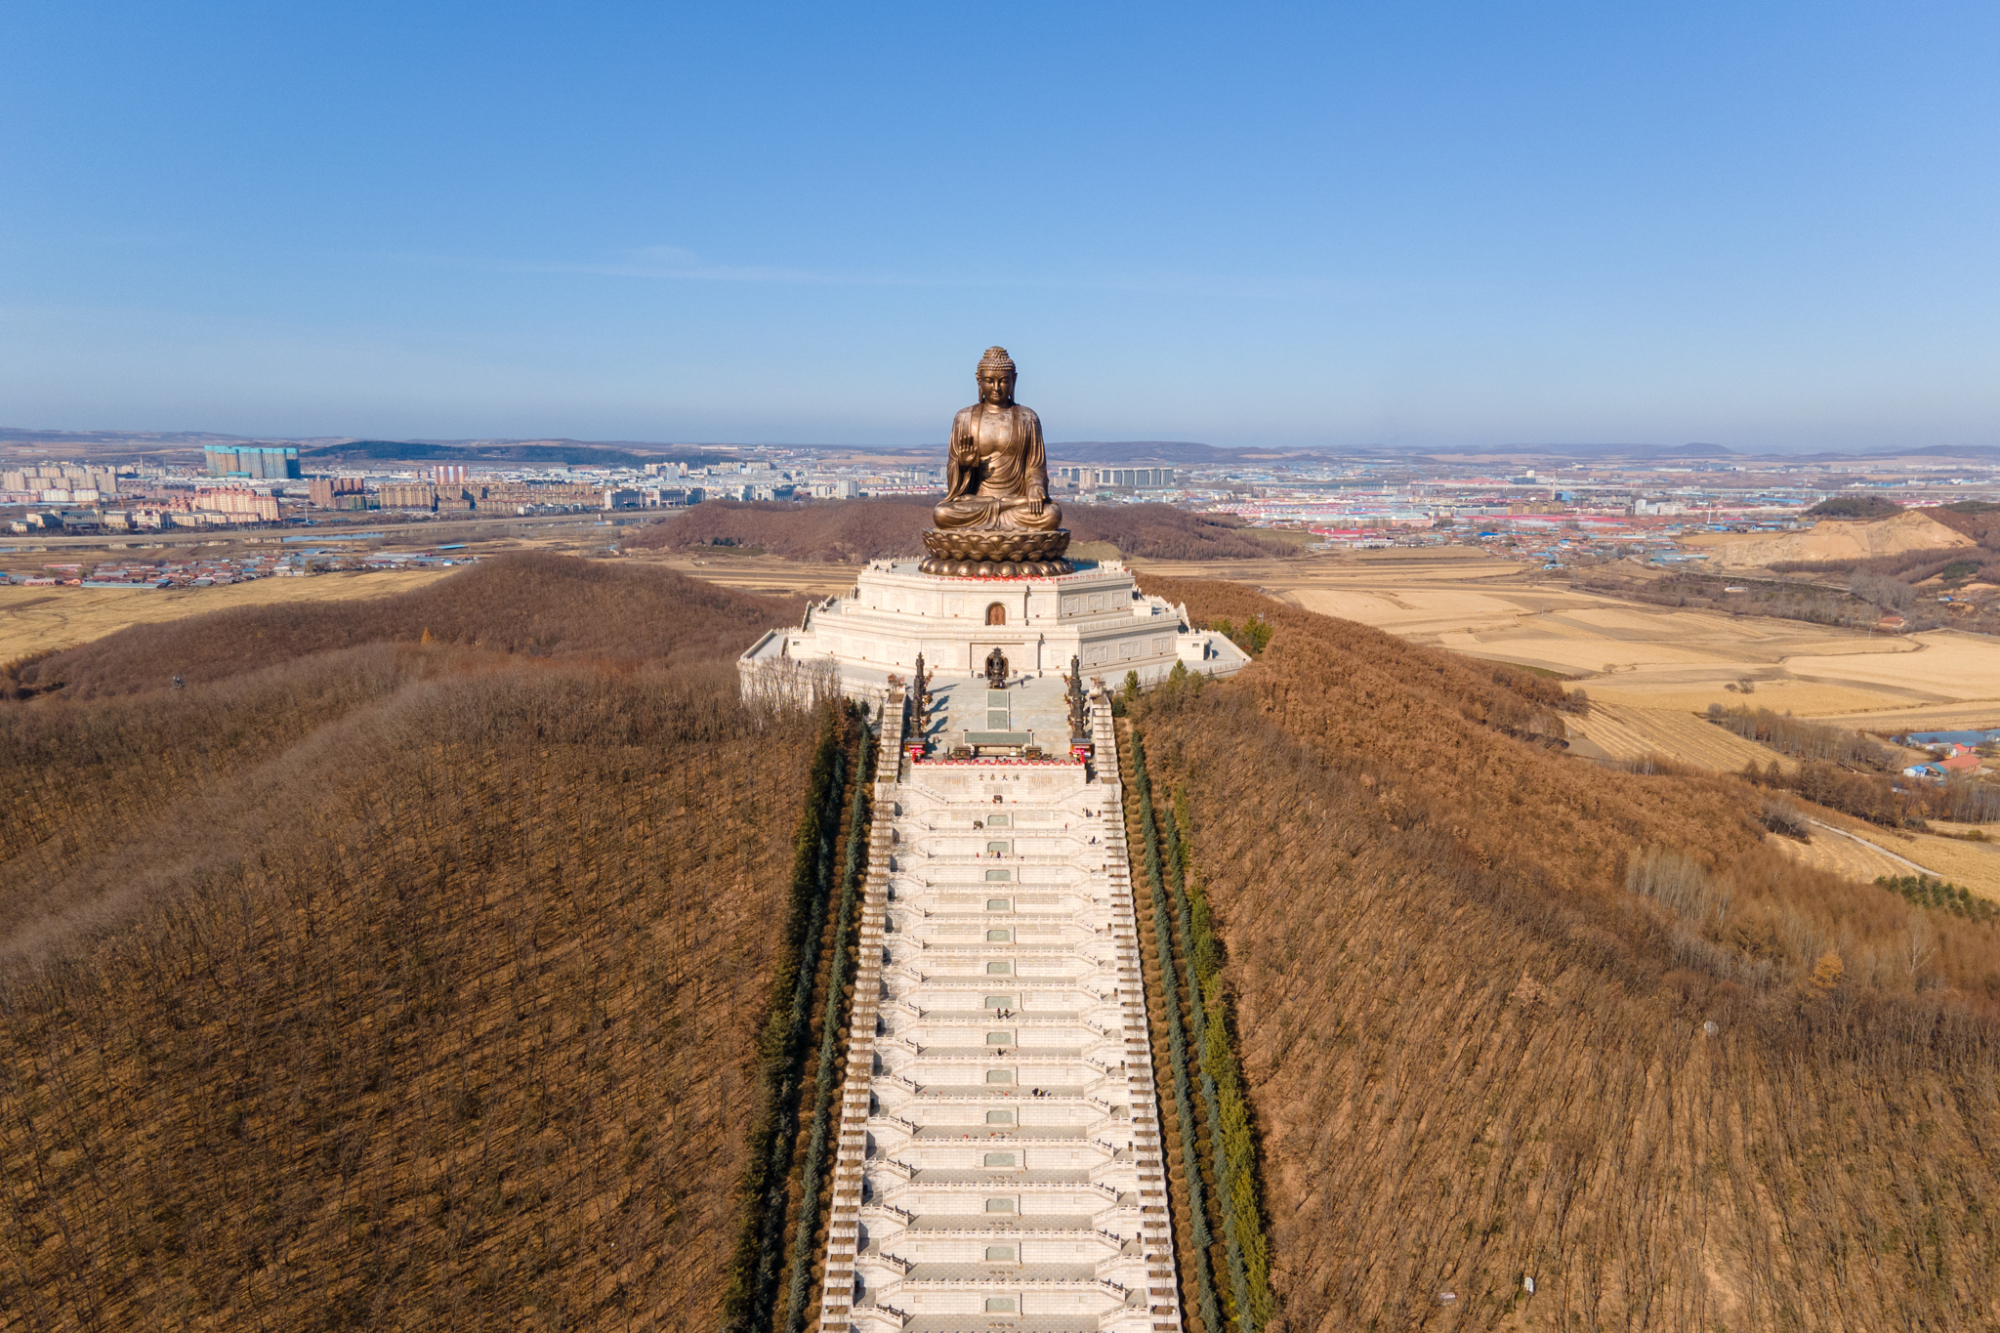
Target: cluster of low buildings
1590	508
301	562
1555	518
164	573
1955	753
204	507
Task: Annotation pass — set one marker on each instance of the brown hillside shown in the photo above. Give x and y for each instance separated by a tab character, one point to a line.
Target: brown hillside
851	531
1477	1054
539	605
396	986
1976	519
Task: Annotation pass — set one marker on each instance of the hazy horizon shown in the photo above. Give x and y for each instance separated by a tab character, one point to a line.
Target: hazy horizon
1693	450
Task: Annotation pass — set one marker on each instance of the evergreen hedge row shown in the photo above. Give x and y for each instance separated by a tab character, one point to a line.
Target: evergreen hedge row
1232	1142
1201	1239
762	1194
832	1025
1927	892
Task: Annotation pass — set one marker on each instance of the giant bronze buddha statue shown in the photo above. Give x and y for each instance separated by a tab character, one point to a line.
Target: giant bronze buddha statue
996	519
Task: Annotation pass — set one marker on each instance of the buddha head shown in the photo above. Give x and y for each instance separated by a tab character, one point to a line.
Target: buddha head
996	378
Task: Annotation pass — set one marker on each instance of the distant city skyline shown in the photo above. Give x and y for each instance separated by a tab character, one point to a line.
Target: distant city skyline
1765	227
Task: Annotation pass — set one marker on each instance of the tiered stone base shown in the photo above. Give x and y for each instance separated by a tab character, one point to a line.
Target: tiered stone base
996	553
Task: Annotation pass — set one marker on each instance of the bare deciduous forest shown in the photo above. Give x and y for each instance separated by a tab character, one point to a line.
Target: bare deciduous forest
386	983
1473	980
405	970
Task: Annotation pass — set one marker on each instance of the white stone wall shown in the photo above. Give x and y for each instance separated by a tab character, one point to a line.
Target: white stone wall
894	612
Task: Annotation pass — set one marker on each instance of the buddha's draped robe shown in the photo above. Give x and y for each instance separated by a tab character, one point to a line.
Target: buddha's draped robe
996	467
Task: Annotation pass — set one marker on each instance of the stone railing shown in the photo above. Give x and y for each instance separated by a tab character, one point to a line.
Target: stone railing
849	1163
1156	1231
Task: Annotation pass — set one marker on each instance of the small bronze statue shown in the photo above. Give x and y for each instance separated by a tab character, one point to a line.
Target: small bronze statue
996	669
920	700
1079	704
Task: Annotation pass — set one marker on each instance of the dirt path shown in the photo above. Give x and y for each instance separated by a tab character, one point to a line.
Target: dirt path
1883	852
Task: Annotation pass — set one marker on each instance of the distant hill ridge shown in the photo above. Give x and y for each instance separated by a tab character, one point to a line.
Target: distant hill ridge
1184	452
849	531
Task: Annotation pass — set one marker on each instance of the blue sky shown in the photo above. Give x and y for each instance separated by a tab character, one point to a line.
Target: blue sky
1765	226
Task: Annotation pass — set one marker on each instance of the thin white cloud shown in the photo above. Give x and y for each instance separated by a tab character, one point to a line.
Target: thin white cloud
673	263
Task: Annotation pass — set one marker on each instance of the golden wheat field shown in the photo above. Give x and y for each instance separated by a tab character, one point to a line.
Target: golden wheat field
1849	857
35	620
1864	851
1625	731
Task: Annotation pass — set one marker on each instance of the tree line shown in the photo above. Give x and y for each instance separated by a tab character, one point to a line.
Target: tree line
780	1192
1222	1187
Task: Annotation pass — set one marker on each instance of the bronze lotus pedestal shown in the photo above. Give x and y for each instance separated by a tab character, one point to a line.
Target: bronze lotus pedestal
995	553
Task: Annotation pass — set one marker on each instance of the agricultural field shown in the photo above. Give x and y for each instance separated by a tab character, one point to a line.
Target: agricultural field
36	620
1849	857
1623	731
1650	671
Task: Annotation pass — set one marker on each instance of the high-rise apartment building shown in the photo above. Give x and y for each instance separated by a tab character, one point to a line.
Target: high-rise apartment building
259	462
1136	478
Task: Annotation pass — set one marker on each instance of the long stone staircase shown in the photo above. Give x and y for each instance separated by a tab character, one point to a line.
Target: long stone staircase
999	1161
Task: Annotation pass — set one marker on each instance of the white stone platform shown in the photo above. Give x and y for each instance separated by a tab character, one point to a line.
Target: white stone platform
999	1161
894	612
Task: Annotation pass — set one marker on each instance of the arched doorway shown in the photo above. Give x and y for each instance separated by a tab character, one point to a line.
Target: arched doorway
996	614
